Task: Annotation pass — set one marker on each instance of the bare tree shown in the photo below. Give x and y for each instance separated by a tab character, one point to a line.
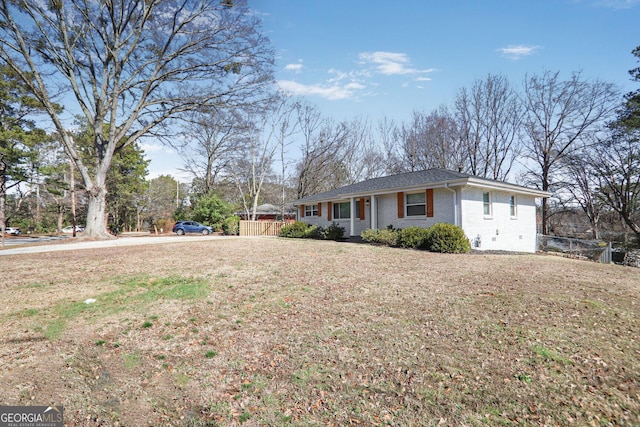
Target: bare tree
335	154
561	117
387	132
212	138
616	164
582	185
431	141
358	153
488	118
320	168
133	65
252	168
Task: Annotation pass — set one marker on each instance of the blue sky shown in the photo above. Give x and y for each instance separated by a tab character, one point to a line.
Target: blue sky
375	59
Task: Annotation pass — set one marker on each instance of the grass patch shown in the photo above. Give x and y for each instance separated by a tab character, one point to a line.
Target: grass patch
54	329
550	355
132	294
132	360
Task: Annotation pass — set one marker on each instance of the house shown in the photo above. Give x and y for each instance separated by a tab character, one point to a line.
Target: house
269	212
494	215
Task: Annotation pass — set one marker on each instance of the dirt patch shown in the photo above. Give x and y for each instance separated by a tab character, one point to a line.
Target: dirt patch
290	332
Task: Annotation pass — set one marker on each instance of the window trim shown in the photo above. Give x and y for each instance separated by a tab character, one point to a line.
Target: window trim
407	204
513	206
487	204
310	210
336	209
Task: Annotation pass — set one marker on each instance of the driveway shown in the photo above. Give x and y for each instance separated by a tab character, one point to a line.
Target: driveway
94	244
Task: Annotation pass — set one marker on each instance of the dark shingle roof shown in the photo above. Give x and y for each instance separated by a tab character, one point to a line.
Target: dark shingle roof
398	182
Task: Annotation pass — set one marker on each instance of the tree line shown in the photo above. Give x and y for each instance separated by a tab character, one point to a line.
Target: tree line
198	75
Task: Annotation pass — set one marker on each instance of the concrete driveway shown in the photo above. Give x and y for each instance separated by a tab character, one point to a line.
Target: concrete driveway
120	241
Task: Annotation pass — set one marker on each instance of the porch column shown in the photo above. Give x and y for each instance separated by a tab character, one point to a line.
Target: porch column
352	219
374	212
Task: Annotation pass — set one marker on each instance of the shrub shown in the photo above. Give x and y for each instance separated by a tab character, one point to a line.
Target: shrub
211	210
413	237
301	230
333	232
313	232
294	230
447	238
388	236
231	226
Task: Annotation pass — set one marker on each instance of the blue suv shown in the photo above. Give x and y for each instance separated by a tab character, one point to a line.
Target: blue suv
182	227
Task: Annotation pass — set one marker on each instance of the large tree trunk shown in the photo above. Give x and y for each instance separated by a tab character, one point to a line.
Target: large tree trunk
96	214
60	217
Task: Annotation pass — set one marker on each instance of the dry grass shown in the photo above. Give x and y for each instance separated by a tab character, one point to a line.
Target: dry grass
290	332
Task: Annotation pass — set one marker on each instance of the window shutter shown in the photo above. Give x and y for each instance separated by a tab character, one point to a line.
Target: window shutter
429	200
301	211
319	209
361	208
400	204
328	211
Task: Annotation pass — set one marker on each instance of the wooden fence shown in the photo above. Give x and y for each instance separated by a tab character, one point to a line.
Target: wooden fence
260	228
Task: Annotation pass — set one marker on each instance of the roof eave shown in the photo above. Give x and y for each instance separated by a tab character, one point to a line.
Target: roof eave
469	181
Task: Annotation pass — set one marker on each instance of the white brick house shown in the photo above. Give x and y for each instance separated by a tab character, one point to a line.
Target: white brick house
494	215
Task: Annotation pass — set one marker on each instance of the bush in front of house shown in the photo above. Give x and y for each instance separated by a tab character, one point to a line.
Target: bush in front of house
300	230
333	232
441	237
386	236
447	238
413	237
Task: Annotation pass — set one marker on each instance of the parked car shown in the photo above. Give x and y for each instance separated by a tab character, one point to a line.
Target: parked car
13	231
182	227
69	229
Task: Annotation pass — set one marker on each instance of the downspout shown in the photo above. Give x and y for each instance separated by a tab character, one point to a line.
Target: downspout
352	215
455	204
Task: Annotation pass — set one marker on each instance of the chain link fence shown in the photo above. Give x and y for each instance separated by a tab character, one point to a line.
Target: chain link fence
595	250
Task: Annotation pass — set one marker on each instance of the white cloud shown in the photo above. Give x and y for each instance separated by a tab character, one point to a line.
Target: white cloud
152	147
296	68
518	51
391	63
618	4
352	84
333	91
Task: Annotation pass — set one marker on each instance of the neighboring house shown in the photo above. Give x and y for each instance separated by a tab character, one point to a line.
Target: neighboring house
494	215
269	212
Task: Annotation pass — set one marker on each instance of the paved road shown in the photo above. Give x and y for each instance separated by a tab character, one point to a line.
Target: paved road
28	240
120	241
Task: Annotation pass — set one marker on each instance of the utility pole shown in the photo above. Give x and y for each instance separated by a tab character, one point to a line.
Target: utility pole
72	186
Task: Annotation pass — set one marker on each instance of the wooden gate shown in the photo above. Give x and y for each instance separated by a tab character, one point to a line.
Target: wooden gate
260	228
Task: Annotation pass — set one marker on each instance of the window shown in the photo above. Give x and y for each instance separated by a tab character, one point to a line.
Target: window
342	210
311	210
486	201
513	206
416	204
